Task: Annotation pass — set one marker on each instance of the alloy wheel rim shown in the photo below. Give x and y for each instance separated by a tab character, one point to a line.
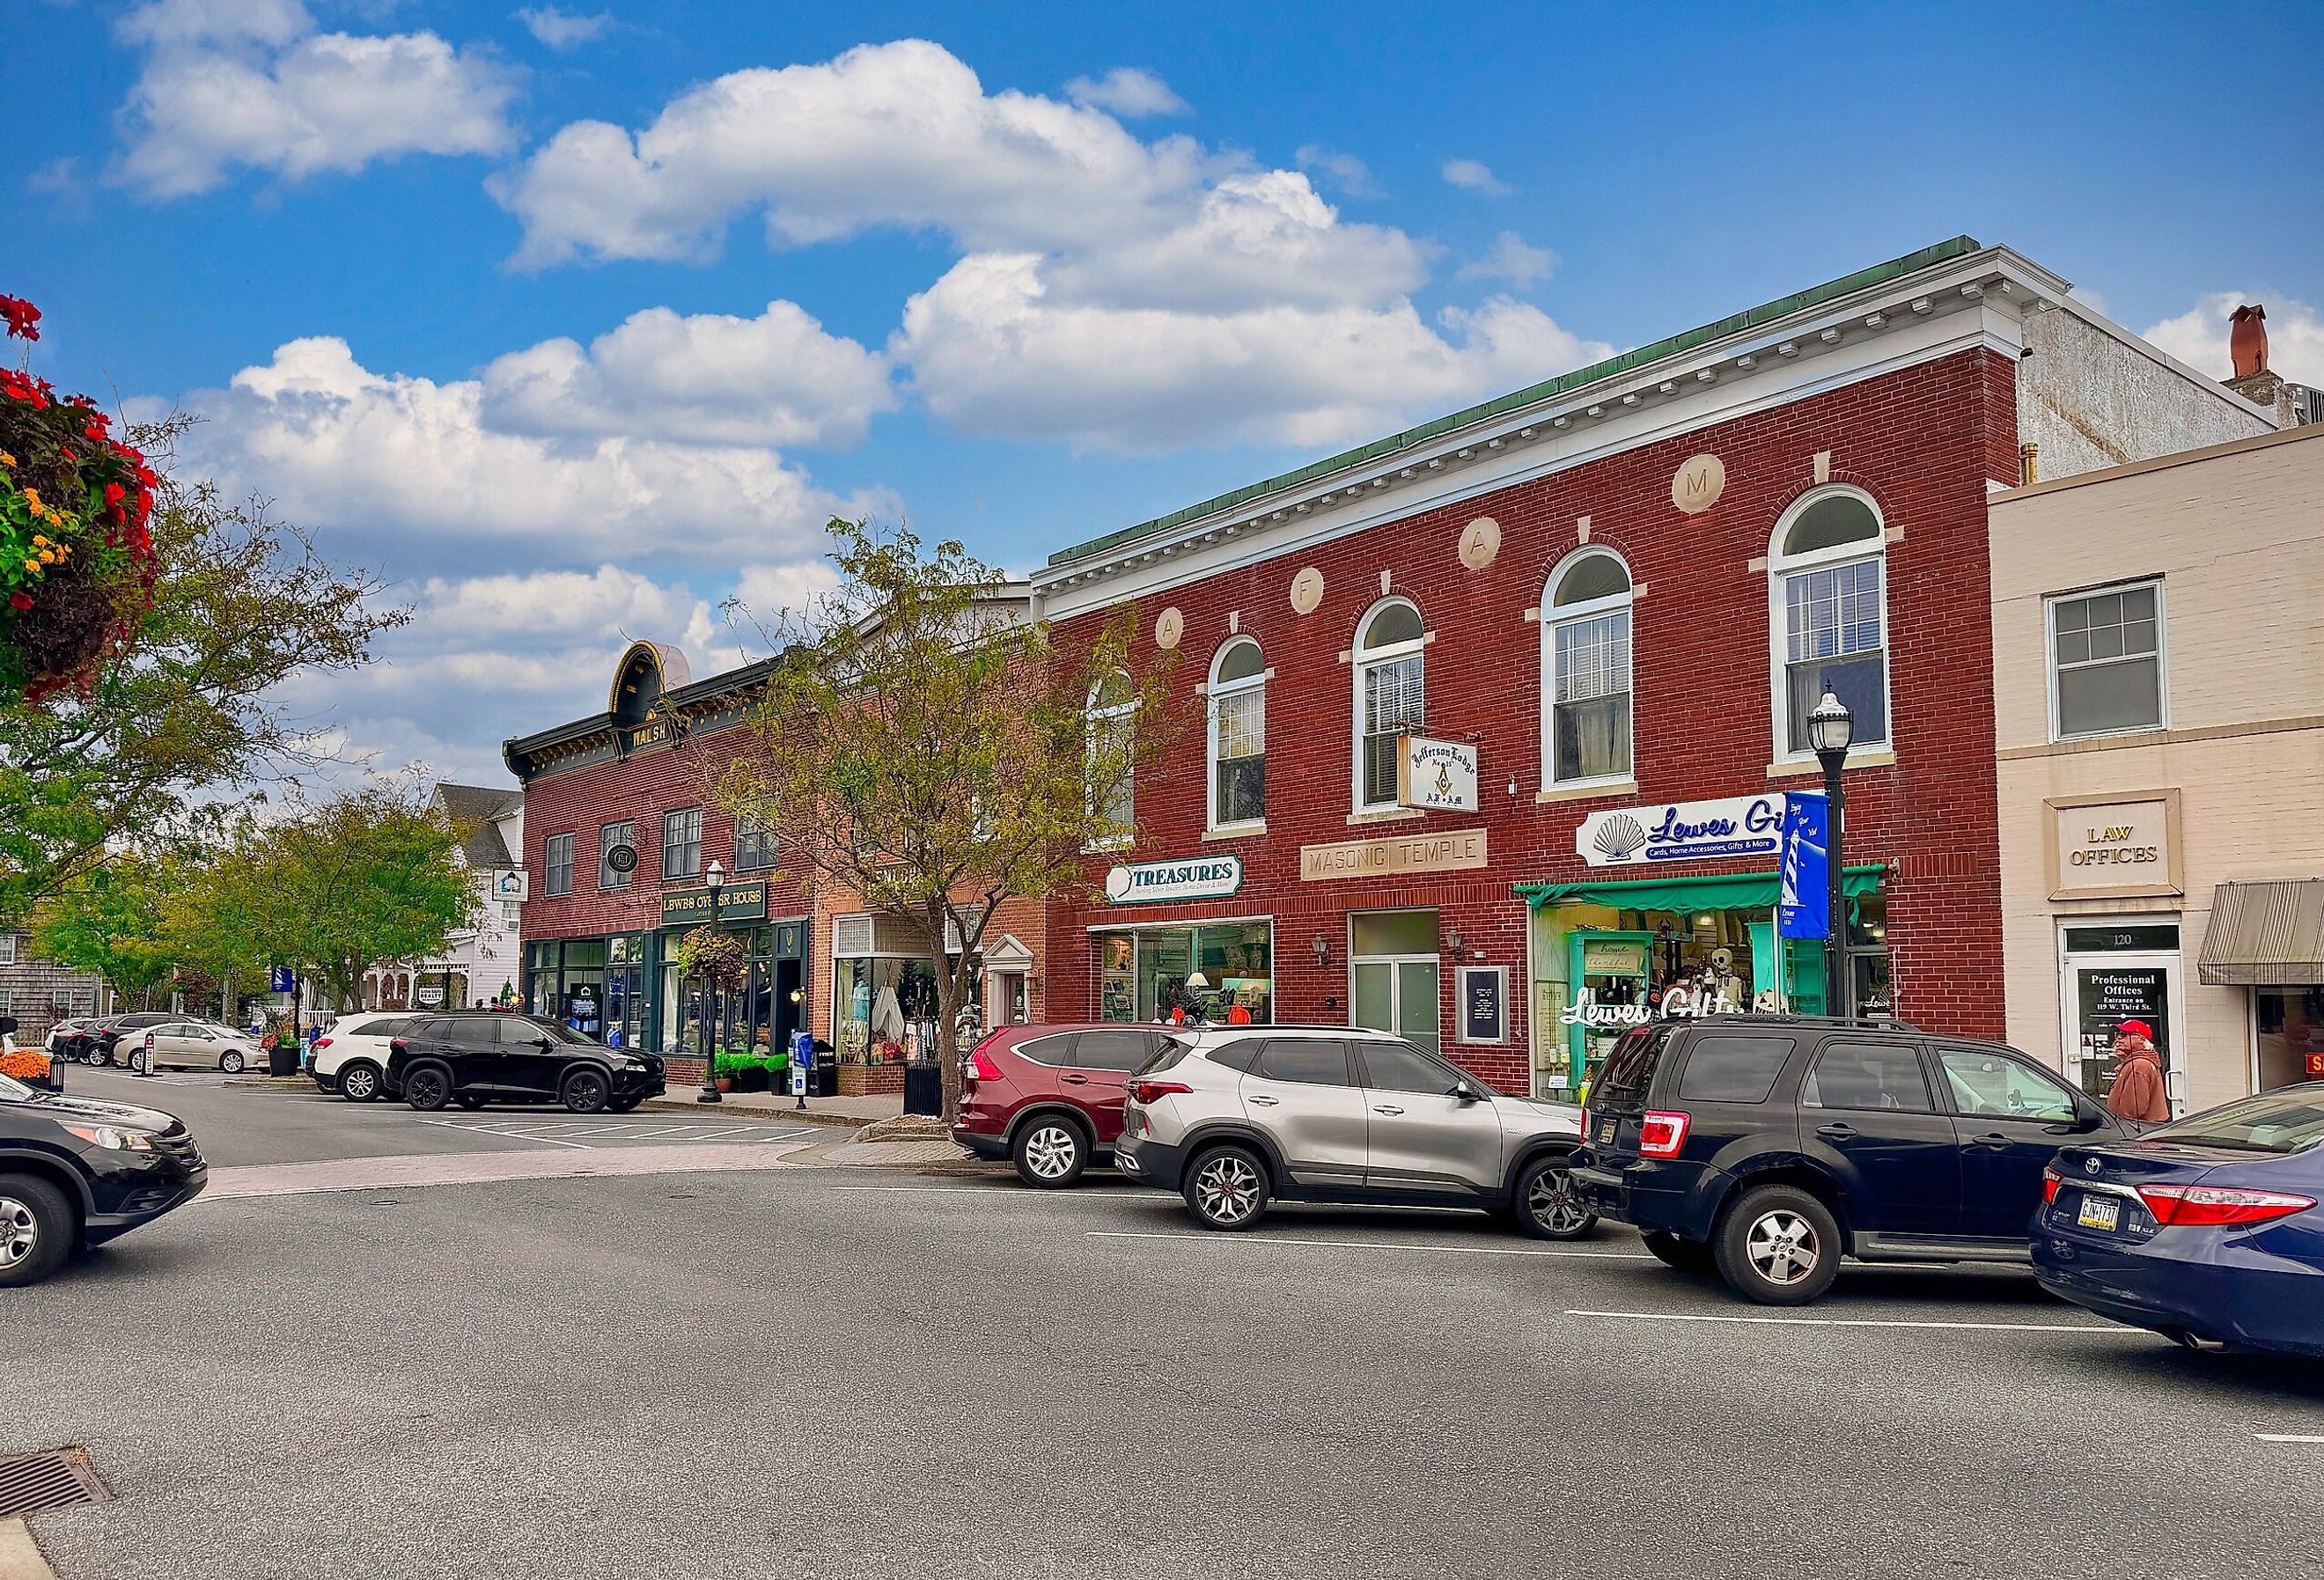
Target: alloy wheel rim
1783	1247
20	1232
357	1083
1228	1188
587	1092
1551	1202
1050	1152
428	1086
232	1063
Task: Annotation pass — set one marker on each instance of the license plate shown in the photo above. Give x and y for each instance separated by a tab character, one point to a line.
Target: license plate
1606	1132
2099	1212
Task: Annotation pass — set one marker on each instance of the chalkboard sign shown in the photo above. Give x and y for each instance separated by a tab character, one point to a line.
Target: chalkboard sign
1484	1004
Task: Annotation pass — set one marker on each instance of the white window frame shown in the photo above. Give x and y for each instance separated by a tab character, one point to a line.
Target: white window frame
2050	603
1552	618
549	866
1220	689
1094	717
7	949
1362	663
1781	569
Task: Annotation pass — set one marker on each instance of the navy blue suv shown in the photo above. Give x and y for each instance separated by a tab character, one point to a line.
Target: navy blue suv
1767	1147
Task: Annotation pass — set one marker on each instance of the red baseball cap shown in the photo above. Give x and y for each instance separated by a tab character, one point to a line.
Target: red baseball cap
2135	1029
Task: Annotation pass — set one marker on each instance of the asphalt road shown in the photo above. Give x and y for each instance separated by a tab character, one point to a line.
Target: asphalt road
831	1372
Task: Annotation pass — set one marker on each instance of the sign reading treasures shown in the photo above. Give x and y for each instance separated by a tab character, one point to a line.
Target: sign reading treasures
736	902
1209	877
1436	776
1411	853
2115	845
1683	831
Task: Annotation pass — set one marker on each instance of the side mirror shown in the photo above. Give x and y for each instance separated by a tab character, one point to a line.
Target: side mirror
1468	1093
544	1043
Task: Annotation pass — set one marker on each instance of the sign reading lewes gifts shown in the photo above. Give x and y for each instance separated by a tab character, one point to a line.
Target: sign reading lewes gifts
1436	776
1209	877
1683	831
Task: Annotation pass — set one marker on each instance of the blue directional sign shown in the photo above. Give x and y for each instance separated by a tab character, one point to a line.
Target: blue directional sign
1803	908
283	979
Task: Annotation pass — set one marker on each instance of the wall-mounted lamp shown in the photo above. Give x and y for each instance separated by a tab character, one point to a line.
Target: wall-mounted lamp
1455	942
1322	948
798	995
1513	787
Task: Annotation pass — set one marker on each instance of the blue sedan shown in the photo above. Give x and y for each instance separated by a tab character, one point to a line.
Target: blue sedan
2208	1228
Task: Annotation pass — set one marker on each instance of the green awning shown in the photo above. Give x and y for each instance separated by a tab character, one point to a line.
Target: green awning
1727	891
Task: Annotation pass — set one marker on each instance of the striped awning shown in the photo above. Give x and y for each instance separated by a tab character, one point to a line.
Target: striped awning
2264	933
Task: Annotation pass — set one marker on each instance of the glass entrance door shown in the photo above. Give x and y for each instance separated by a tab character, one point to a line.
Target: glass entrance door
1396	986
2114	972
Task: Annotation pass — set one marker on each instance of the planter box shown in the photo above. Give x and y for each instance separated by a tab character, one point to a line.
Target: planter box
870	1080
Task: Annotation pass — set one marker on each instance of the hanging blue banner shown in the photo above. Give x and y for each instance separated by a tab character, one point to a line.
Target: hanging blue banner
283	979
1803	908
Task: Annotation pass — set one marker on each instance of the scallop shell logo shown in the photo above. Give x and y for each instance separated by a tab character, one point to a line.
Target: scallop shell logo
1619	837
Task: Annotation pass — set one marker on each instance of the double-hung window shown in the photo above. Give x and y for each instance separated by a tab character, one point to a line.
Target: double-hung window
1111	774
681	843
1391	696
2106	660
610	837
1828	564
1238	735
1585	656
557	863
754	847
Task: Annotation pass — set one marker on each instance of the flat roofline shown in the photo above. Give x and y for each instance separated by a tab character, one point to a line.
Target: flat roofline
1751	318
2209	452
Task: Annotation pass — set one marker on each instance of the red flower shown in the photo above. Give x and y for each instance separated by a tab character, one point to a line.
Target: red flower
24	317
114	493
20	601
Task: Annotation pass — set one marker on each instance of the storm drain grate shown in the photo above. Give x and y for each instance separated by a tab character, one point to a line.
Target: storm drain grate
35	1483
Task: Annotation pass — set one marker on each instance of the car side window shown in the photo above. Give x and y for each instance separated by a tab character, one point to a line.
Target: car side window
1879	1076
1056	1052
1313	1061
1722	1067
1112	1050
1991	1085
514	1032
1237	1056
1399	1066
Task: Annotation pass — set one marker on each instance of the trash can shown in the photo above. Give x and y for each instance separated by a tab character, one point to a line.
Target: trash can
924	1087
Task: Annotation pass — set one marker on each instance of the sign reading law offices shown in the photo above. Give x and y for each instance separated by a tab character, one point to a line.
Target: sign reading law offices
2115	845
739	902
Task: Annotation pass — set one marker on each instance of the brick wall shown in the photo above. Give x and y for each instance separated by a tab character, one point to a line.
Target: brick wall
1922	441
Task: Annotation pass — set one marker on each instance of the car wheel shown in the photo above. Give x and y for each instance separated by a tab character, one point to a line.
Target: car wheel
1688	1256
1226	1188
1548	1209
1779	1246
428	1088
1050	1152
231	1063
359	1082
585	1091
36	1229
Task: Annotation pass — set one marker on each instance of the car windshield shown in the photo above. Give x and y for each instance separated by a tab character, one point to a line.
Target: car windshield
2273	1122
15	1090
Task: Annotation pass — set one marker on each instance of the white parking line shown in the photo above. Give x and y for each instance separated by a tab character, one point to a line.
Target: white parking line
1863	1322
1368	1245
2287	1437
986	1190
566	1135
486	1130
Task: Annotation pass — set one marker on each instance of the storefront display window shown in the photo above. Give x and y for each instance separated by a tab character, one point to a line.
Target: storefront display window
2291	1045
1149	976
885	1009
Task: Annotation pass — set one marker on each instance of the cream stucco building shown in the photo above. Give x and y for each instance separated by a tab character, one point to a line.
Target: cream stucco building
2159	711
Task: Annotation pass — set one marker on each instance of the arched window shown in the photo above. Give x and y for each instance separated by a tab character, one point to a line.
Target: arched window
1113	733
1391	695
1238	734
1585	670
1828	595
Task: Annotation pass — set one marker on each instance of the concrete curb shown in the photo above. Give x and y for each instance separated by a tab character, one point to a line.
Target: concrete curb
20	1556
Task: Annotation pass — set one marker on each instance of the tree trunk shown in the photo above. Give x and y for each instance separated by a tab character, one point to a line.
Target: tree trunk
949	994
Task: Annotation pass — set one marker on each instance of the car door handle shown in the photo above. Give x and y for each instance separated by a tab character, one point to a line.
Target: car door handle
1074	1080
1262	1101
1836	1132
1385	1108
1992	1138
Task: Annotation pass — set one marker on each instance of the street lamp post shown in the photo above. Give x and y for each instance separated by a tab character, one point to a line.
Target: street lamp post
714	879
1830	729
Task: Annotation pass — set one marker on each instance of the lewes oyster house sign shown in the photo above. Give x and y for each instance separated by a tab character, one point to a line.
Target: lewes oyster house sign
1727	829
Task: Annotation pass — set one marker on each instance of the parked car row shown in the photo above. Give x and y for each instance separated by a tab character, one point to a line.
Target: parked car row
470	1058
180	1042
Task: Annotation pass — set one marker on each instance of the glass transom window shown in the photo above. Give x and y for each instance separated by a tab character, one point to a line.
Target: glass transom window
2106	655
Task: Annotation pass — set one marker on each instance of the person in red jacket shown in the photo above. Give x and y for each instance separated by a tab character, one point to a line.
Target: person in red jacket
2138	1091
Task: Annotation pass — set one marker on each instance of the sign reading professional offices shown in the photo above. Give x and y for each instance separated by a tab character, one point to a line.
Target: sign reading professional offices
1209	877
1683	831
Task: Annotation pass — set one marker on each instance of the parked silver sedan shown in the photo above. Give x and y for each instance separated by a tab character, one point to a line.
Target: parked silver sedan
194	1045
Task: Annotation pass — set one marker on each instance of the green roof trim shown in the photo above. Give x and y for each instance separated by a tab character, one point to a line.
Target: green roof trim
1712	892
1782	307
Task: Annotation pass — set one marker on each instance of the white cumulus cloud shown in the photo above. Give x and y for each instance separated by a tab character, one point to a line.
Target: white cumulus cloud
1127	92
564	30
2199	336
254	83
1472	175
1510	258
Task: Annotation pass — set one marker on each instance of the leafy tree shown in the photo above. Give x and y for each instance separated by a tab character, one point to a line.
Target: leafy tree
923	745
109	922
185	711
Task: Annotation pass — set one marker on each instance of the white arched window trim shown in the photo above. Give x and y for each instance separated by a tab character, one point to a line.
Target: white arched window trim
1366	659
1238	707
1555	618
1782	569
1104	716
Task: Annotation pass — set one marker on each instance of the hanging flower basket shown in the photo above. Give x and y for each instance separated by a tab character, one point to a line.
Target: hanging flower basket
716	957
76	563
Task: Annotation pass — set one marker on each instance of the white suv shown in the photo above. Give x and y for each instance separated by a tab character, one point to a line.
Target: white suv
350	1057
1235	1117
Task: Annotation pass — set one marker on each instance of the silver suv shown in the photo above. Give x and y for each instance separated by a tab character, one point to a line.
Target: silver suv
1235	1117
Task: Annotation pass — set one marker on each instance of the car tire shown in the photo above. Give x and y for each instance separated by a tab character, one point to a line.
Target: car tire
1051	1152
1688	1256
37	1229
1545	1206
1778	1246
1226	1187
585	1091
358	1082
428	1088
232	1063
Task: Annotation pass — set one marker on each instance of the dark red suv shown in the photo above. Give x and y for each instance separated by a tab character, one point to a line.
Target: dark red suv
1048	1098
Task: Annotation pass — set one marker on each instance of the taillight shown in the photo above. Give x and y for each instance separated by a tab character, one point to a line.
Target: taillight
1154	1090
1585	1122
1661	1136
2050	1180
982	1069
2212	1205
321	1043
399	1046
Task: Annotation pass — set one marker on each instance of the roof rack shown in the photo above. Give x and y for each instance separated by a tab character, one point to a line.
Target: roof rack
1863	1023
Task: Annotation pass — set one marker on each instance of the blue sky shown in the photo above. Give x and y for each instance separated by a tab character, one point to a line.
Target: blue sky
574	321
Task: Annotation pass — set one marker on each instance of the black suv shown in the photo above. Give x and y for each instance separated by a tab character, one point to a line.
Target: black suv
478	1056
76	1172
1769	1146
109	1033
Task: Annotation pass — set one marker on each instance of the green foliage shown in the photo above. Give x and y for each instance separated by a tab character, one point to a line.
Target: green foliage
110	920
716	957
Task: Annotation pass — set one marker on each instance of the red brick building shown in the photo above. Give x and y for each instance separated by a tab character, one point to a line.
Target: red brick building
1621	590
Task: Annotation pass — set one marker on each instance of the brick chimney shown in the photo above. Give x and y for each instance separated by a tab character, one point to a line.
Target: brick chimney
2291	404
